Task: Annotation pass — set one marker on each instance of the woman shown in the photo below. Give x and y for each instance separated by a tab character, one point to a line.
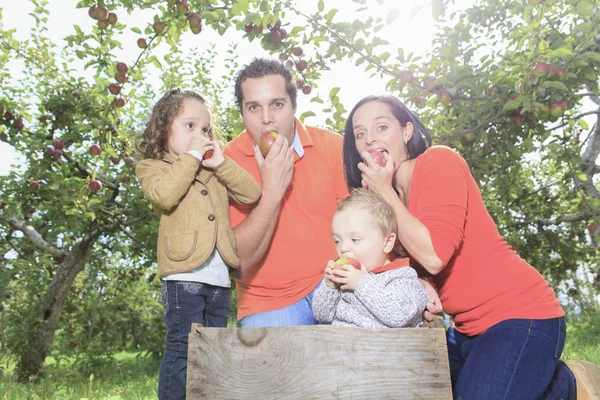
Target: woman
509	327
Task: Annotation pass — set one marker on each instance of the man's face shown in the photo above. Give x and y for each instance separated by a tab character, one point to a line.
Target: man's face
267	107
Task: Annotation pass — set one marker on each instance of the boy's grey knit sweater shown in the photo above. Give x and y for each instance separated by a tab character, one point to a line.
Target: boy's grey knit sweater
391	299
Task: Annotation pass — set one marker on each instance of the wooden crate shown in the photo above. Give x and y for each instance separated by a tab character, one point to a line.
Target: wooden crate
317	362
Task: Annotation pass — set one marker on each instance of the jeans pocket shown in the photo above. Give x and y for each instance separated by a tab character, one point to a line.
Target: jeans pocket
562	335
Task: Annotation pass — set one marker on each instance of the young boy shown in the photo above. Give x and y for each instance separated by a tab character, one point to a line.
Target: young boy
384	293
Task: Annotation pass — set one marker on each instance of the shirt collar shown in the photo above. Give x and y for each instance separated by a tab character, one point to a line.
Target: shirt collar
396	264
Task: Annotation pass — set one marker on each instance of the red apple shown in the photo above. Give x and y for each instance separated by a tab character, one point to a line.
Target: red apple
195	19
406	76
126	178
19	124
142	44
275	35
306	89
266	141
258	28
113	88
593	227
92	12
283	57
248	28
8	295
377	157
158	26
50	151
112	18
347	260
444	97
182	7
283	33
277	24
297	51
196	29
95	150
540	70
121	67
129	160
119	102
101	13
103	24
33	185
419	102
301	65
558	108
115	160
95	185
289	64
208	154
121	78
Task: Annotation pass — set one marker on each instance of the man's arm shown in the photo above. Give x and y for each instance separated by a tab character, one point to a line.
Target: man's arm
253	235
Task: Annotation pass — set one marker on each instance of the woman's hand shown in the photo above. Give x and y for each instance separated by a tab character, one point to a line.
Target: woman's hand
375	177
434	307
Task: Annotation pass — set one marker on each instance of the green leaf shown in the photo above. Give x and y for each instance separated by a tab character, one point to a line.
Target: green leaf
562	52
243	6
334	92
392	15
136	30
330	14
585	9
582	176
591	56
306	115
321	5
554	84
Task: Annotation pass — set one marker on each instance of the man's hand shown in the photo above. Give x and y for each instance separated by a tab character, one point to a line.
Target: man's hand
276	170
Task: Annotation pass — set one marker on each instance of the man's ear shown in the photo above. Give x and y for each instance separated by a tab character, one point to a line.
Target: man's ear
390	241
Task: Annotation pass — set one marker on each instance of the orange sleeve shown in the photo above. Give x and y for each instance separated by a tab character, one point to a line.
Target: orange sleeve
341	187
443	200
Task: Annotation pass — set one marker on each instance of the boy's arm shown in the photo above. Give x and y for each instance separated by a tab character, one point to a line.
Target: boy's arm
395	298
165	187
324	303
241	186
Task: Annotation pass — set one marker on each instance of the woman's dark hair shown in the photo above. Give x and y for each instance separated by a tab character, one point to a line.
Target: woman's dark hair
418	143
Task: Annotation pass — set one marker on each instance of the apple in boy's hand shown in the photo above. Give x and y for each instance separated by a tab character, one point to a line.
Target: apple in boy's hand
266	141
208	154
378	158
346	260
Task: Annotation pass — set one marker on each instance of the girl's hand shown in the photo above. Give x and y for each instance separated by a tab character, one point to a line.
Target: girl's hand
348	277
375	177
328	275
216	159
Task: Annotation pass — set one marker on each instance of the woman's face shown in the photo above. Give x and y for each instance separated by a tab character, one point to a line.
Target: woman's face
376	129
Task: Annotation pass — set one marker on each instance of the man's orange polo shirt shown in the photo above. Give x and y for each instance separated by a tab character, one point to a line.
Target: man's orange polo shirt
302	242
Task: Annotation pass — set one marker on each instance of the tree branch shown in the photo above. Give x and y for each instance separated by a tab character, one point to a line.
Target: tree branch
89	173
578	116
35	238
562	218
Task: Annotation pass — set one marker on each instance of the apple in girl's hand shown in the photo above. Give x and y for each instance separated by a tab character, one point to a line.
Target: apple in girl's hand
378	158
266	141
208	154
346	260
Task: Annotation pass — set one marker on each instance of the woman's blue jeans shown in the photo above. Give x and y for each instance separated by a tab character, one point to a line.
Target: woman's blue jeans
514	359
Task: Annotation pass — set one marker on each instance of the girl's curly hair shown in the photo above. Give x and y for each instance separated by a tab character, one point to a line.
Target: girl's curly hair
153	142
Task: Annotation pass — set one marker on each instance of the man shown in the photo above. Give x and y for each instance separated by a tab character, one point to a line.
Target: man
285	240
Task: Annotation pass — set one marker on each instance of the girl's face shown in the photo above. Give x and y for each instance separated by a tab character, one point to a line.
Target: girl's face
193	121
376	129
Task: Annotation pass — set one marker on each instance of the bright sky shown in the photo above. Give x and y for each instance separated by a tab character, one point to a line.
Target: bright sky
412	30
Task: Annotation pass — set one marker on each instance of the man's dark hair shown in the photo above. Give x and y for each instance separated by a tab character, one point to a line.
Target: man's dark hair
260	67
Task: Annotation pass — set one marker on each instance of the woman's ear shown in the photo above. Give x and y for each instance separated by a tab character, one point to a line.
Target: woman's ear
408	131
390	241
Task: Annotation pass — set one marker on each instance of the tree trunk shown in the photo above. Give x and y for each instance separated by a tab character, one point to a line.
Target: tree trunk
39	339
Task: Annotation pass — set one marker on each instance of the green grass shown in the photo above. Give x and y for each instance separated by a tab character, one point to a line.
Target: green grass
133	377
127	377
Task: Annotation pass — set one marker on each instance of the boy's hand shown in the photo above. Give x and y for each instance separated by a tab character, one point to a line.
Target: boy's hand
216	159
328	275
348	277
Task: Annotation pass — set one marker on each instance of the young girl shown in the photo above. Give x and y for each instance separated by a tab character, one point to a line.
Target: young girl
189	183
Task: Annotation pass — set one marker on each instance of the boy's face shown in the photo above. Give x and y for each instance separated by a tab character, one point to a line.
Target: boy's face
356	235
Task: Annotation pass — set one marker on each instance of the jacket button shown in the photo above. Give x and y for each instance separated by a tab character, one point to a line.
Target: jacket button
204	192
211	217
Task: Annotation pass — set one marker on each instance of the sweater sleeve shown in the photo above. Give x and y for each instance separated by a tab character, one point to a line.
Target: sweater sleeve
395	298
442	199
165	187
324	303
241	186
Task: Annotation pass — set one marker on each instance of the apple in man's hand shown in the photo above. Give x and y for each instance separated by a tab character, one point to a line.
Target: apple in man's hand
266	141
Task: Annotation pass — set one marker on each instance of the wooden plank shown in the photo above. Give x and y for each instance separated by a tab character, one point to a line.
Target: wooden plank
317	362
